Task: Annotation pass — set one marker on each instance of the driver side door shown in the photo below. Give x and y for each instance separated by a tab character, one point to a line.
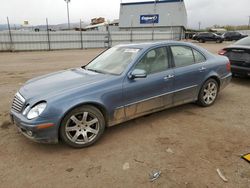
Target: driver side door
145	95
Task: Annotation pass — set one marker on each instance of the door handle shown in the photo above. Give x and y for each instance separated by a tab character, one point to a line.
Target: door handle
169	77
202	69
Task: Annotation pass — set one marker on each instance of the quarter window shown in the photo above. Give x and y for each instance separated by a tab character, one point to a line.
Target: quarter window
154	61
183	56
199	58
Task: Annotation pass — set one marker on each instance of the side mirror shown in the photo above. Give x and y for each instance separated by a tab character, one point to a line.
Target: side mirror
137	73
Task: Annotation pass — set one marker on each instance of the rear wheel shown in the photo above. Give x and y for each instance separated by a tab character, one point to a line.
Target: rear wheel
208	93
201	41
82	126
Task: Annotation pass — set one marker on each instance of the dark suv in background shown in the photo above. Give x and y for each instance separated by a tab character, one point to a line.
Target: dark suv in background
233	35
205	37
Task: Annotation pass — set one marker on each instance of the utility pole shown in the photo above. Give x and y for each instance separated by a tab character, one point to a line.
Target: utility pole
68	1
199	25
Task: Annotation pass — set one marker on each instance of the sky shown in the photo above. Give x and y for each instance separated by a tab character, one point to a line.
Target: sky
208	12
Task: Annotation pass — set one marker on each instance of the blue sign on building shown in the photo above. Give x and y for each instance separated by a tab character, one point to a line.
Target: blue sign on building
149	19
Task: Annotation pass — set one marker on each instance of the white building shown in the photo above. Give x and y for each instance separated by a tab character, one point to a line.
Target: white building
159	15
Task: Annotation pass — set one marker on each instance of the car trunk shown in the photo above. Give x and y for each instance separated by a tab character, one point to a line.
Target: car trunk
239	56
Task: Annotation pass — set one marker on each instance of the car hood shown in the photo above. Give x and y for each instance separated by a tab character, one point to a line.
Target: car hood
55	83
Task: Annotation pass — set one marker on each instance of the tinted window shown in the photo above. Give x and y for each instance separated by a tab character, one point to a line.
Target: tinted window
211	35
199	58
203	34
183	56
155	60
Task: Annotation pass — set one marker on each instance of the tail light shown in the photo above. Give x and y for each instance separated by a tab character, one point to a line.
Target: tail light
228	65
222	52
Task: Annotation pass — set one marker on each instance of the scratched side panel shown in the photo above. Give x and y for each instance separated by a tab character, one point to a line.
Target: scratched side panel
148	106
144	106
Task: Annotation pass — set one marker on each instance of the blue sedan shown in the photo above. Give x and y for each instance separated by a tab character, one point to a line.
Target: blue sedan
122	83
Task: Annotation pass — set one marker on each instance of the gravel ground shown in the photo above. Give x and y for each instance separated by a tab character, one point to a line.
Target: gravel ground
187	143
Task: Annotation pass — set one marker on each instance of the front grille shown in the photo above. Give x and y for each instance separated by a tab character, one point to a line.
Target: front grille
18	103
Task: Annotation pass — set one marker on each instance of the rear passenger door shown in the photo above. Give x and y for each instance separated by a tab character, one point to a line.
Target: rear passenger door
189	70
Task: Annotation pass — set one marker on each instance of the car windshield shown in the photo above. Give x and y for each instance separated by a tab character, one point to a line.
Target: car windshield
113	61
244	42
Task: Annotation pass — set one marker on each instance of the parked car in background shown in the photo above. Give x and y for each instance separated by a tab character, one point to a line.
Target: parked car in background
233	35
194	37
207	36
239	56
122	83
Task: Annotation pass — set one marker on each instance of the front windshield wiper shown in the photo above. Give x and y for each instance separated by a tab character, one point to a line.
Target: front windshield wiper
94	70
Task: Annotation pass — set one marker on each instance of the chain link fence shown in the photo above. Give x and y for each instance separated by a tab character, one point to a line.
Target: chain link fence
14	40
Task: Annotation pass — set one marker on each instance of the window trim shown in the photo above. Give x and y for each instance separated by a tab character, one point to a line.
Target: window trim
192	48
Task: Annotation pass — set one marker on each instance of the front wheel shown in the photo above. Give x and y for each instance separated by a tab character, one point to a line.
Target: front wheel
218	41
208	93
82	126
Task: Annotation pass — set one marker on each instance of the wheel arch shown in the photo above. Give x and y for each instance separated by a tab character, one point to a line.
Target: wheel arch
215	77
99	106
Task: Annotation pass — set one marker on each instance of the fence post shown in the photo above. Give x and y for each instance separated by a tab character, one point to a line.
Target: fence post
109	38
81	34
153	31
48	33
10	35
131	35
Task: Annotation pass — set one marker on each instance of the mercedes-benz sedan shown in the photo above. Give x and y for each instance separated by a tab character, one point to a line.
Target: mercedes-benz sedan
122	83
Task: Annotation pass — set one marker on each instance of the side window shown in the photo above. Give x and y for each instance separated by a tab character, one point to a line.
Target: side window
199	58
154	61
237	34
211	35
183	56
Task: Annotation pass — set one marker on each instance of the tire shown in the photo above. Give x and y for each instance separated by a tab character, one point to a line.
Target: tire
201	41
218	41
208	93
82	126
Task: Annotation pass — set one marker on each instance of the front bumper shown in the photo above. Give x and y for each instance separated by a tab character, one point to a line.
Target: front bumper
30	128
240	70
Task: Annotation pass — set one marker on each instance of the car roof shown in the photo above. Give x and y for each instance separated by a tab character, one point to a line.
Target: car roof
146	45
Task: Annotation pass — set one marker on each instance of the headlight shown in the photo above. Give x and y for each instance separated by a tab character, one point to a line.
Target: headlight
36	110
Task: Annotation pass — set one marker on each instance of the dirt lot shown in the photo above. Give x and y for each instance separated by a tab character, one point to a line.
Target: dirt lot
187	144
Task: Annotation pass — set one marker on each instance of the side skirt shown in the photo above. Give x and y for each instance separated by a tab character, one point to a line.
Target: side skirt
120	112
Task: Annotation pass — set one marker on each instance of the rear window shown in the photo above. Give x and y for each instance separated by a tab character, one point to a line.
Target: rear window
244	42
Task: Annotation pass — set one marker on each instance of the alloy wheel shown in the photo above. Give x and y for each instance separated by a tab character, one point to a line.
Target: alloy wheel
210	93
82	128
